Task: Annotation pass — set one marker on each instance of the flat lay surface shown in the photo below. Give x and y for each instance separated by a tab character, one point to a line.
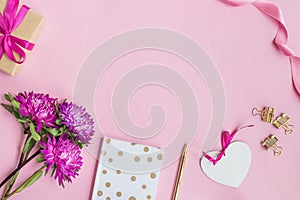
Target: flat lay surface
238	40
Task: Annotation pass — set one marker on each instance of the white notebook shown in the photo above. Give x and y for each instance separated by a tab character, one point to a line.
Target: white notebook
127	171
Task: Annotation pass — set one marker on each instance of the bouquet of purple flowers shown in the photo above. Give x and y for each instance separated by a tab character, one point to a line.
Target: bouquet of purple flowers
55	130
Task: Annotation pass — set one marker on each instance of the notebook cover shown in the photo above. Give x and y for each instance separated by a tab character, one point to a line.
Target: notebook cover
127	171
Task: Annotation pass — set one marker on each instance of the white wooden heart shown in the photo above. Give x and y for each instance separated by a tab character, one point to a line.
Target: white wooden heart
232	169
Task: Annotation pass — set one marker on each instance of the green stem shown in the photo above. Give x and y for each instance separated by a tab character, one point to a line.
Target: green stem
23	152
32	179
19	167
23	157
12	180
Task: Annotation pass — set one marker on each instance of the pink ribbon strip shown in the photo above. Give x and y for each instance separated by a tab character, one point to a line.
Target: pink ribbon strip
9	21
226	139
281	38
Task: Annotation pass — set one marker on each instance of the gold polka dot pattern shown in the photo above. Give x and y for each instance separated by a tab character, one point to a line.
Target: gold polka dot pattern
117	183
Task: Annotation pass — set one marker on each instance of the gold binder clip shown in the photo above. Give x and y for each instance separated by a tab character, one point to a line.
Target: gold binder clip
270	143
282	121
267	114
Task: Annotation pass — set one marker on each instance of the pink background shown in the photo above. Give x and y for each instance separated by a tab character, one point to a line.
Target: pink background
238	40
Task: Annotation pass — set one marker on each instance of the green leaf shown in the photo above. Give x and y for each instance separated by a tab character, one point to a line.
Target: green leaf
8	108
58	121
27	144
22	120
34	134
6	96
40	159
73	134
31	145
11	182
59	133
63	129
9	97
53	131
42	132
31	180
15	104
53	171
56	107
79	143
12	110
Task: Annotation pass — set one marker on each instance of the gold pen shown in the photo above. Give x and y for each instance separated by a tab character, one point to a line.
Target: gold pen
180	172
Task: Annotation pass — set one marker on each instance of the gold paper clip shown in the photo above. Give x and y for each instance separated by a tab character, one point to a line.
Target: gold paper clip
282	121
267	114
270	143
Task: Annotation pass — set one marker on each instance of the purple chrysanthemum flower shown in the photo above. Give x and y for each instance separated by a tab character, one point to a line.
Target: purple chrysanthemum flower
64	155
40	108
77	120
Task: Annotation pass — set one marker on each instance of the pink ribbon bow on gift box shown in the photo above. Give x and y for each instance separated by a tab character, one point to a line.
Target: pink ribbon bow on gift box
281	38
9	21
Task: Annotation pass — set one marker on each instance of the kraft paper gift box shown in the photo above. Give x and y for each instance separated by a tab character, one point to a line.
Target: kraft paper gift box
27	30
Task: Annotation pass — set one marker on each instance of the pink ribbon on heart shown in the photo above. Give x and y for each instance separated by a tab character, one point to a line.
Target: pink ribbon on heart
281	38
9	21
226	139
